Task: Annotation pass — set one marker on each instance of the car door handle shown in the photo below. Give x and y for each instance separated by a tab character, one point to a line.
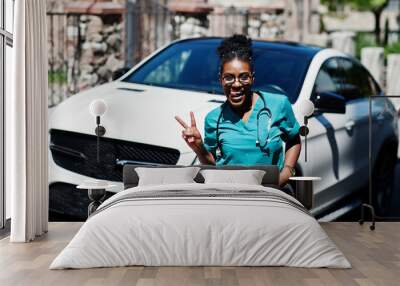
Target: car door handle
380	117
349	126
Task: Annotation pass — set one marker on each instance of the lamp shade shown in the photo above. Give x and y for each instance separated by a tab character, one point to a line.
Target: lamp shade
98	107
306	107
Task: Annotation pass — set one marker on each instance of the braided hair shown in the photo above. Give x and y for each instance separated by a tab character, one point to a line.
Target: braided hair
236	46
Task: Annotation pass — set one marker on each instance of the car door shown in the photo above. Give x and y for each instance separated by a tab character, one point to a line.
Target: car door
330	143
357	87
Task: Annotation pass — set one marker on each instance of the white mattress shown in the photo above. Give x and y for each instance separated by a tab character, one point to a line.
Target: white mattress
190	230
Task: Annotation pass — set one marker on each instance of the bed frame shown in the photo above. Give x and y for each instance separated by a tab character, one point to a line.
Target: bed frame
270	179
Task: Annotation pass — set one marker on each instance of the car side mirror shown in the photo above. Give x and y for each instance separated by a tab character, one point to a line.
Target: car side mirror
120	72
329	102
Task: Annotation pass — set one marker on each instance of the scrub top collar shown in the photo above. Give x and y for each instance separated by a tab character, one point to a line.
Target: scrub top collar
253	113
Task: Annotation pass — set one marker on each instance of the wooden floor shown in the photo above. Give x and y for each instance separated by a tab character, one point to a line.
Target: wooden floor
374	255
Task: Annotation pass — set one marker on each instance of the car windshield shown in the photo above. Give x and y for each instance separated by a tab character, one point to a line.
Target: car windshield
194	65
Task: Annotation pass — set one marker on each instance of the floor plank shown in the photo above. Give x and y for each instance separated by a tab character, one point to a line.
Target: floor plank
374	255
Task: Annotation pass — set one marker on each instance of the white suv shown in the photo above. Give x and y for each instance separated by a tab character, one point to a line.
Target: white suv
182	77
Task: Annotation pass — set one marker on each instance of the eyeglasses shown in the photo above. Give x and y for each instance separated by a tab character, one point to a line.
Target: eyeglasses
229	79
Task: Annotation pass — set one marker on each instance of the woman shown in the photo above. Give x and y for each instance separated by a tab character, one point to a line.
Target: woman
250	127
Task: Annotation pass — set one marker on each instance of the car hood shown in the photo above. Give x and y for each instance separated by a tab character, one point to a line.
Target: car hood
137	113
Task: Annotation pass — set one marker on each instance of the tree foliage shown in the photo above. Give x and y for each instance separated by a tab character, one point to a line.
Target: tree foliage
361	5
368	5
375	6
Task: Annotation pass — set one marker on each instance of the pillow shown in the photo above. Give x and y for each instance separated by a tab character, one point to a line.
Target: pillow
248	177
163	176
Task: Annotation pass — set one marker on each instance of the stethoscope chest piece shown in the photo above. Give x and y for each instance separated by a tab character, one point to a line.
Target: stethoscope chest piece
218	152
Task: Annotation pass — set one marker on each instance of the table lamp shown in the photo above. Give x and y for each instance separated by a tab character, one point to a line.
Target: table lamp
306	108
97	108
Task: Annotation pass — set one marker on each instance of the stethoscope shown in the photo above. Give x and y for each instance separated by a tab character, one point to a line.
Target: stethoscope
265	109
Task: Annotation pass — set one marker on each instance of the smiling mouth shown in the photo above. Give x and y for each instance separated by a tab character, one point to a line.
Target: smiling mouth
236	96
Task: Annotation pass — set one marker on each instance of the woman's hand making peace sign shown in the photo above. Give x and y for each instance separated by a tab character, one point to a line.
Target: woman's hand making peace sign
192	137
191	134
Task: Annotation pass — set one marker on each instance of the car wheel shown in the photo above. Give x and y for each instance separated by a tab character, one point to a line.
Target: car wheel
383	181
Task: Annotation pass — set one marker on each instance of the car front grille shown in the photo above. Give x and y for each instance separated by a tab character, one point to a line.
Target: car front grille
67	203
77	152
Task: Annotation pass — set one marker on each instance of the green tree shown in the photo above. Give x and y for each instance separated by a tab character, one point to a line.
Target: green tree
374	6
334	5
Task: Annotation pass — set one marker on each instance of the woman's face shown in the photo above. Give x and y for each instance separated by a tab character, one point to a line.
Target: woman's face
236	80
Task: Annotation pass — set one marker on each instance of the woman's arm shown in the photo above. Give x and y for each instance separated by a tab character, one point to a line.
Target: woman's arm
205	157
292	153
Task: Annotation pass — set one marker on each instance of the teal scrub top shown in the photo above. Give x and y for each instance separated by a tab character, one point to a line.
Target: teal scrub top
238	138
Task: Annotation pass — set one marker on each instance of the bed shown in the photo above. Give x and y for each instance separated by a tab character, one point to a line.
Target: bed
201	224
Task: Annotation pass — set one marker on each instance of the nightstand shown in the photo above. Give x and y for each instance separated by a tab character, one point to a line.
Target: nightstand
304	192
96	192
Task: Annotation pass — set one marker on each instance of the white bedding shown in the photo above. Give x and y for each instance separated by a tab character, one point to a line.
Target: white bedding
206	230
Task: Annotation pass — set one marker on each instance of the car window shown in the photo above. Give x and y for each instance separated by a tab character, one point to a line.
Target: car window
169	71
356	82
194	65
373	85
181	66
328	78
280	70
376	90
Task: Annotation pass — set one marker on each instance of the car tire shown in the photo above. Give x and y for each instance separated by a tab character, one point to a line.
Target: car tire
383	180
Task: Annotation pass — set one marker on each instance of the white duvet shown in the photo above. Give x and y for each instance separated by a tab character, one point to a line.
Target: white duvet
206	230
